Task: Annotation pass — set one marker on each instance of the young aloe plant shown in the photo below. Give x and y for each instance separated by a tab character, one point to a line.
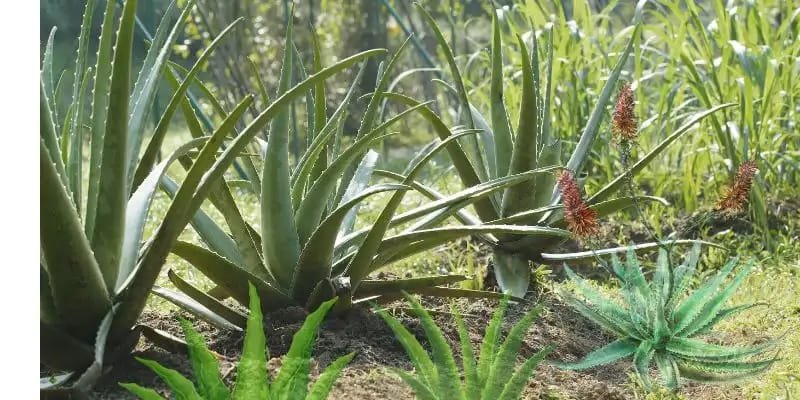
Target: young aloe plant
503	151
305	251
93	283
492	376
658	322
252	381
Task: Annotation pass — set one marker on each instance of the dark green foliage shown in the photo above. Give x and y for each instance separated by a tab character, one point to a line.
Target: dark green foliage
493	376
252	381
657	321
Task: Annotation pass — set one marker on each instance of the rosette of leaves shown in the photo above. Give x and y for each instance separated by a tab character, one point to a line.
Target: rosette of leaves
660	322
501	150
252	378
305	251
96	268
492	375
94	273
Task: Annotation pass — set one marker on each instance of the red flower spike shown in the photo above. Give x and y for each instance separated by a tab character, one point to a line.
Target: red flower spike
581	220
624	126
735	197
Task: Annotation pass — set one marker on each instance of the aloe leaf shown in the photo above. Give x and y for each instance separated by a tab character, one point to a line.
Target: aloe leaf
714	306
79	85
109	229
280	240
507	355
230	277
723	314
468	362
462	215
47	78
501	128
47	134
378	287
148	159
452	232
138	208
459	84
90	376
463	166
524	156
698	350
437	291
220	194
76	281
642	359
514	387
317	149
491	338
550	155
182	388
311	208
451	205
190	196
142	392
207	301
615	184
603	305
371	113
358	184
100	99
603	356
75	157
589	255
322	387
449	379
147	82
696	302
416	353
292	379
252	379
204	365
361	263
315	260
195	308
722	371
210	233
581	152
670	376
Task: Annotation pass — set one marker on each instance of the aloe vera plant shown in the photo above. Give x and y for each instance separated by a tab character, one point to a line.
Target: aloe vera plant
252	378
95	272
502	150
306	251
660	321
90	239
492	375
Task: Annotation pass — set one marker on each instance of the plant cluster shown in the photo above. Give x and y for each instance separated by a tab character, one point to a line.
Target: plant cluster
491	375
252	379
660	321
97	266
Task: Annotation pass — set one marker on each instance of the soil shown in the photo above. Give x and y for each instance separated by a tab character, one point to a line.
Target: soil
369	377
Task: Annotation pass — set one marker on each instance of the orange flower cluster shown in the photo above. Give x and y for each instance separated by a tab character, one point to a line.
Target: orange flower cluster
581	220
624	126
735	197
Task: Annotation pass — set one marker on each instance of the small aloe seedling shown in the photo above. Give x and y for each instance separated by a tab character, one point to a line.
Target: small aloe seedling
252	381
492	376
658	322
